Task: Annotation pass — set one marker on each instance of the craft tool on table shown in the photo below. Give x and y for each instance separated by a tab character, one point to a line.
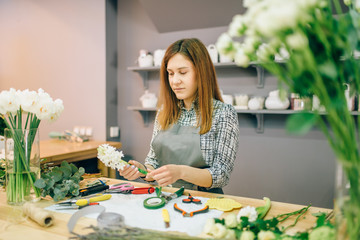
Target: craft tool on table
166	217
161	199
191	199
84	202
127	188
190	214
93	189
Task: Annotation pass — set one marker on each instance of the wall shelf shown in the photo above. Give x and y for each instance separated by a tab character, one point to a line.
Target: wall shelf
259	115
144	72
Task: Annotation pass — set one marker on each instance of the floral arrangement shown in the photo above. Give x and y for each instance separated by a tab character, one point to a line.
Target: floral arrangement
249	225
318	43
113	158
22	112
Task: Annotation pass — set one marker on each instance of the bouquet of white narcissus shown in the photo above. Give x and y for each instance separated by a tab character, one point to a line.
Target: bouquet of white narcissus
22	112
39	106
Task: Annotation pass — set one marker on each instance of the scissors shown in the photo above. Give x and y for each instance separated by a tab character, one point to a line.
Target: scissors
127	188
190	199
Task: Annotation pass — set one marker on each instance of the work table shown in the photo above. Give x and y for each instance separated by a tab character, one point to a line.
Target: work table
15	226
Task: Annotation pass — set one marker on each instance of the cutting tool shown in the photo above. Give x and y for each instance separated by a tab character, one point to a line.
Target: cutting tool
84	202
190	214
71	206
161	199
191	199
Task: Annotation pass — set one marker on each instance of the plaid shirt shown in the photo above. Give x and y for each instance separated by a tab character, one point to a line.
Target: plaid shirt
218	146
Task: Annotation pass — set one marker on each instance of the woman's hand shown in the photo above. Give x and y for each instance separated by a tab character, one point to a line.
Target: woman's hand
166	175
131	172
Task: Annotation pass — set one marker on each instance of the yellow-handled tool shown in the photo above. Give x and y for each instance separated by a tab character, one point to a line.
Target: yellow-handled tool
84	202
166	217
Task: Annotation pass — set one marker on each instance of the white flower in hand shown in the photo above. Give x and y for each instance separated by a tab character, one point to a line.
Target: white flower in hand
110	157
249	212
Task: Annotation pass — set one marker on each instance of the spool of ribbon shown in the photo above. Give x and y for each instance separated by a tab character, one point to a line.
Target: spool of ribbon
39	215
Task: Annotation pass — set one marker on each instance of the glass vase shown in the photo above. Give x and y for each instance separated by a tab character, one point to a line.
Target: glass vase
22	156
347	202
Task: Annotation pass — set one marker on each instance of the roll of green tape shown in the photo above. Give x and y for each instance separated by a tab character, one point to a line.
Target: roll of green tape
154	202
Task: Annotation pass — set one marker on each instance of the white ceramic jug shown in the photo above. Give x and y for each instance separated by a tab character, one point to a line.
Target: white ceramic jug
158	57
145	59
148	100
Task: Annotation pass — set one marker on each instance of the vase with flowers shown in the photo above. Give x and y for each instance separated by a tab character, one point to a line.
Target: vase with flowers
318	42
22	112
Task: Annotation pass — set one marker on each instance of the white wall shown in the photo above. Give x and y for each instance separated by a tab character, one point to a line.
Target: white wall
58	46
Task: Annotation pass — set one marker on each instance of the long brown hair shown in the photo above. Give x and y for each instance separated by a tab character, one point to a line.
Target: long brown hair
208	89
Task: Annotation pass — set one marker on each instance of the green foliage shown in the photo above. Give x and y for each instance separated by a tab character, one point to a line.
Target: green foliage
61	182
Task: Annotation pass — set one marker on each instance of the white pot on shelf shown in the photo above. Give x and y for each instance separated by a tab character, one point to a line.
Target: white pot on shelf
275	102
145	59
148	100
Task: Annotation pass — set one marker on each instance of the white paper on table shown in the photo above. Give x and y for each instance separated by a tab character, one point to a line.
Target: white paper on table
136	215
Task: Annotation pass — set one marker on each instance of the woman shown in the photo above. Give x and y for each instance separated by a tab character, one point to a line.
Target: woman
195	135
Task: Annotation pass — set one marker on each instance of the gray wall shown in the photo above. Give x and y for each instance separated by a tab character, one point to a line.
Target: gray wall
274	164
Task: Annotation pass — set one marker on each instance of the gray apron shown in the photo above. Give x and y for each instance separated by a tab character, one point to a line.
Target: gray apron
180	145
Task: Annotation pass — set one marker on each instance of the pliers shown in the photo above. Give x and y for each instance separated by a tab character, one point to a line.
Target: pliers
186	214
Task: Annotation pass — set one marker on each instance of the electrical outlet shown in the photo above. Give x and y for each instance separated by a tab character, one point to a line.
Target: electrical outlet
114	132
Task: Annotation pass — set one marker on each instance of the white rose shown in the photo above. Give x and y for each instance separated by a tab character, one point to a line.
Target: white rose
357	5
249	212
264	52
218	230
266	235
347	2
237	26
297	41
230	234
241	58
224	44
210	222
247	235
230	220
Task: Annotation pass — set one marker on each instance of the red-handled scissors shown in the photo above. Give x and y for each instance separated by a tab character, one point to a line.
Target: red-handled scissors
190	199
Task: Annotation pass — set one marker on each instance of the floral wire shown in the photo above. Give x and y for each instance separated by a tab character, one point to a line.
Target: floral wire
298	217
287	215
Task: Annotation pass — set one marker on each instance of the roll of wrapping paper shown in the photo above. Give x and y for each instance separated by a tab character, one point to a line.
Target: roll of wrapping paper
39	215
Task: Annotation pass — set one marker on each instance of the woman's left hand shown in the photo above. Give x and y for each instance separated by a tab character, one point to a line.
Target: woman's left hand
166	175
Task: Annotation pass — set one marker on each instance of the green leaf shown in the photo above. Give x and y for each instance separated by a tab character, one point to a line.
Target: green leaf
74	169
66	171
301	123
328	69
40	183
57	174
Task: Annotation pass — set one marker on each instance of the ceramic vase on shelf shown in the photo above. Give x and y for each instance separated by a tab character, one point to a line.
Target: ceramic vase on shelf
347	203
22	156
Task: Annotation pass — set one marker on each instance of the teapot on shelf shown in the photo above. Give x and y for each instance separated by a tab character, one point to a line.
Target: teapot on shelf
145	59
148	100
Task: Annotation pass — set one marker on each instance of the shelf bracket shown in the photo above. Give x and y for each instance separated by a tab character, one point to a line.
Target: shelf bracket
259	123
144	76
145	116
260	76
